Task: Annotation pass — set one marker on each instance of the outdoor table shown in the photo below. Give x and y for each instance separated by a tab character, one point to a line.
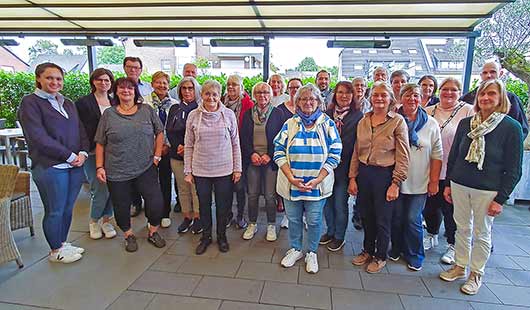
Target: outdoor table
6	135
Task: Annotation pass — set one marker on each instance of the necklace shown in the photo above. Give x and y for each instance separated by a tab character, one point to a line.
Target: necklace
126	110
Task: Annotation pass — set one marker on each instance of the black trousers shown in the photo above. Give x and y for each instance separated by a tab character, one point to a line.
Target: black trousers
122	195
436	207
376	211
223	190
164	178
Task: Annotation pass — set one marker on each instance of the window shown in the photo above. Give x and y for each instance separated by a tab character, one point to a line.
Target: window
165	65
413	51
358	67
372	51
396	51
357	51
418	67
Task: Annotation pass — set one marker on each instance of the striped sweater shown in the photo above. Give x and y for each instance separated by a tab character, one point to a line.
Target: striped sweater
306	151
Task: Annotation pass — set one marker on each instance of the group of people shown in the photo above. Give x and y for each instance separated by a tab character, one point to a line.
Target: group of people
406	154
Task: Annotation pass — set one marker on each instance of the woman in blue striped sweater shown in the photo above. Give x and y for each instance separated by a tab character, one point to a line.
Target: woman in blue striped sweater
307	149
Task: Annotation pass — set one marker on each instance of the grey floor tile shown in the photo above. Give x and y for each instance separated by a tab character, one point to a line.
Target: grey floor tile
485	306
344	299
219	266
168	263
165	282
501	261
394	284
522	261
427	270
247	253
131	300
229	289
232	305
423	303
5	306
511	295
167	302
187	248
332	278
505	245
267	271
494	275
442	289
296	295
517	277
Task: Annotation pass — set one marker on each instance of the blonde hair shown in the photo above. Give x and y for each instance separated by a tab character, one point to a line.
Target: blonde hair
281	79
504	103
158	75
387	89
408	88
453	80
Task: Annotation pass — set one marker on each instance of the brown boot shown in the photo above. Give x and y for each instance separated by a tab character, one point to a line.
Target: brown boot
454	273
376	265
361	259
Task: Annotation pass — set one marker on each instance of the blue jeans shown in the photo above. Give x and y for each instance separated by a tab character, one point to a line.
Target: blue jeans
100	203
313	214
407	230
58	189
336	210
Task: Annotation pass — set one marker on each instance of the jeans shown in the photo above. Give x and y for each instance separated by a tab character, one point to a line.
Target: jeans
241	197
259	177
122	194
376	211
100	203
164	178
407	230
223	190
58	189
436	207
313	213
336	210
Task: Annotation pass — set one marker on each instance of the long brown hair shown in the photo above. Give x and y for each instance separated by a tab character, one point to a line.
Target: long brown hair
349	86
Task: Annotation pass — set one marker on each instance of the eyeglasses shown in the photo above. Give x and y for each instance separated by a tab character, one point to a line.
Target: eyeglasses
133	67
102	80
184	88
306	99
262	93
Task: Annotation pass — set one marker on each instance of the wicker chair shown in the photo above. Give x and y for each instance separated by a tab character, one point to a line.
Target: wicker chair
8	247
21	213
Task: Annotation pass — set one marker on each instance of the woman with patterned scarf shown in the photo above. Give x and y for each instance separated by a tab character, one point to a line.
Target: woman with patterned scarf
422	179
483	168
346	115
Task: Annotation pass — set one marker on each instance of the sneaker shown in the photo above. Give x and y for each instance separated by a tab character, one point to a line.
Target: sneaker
250	231
454	273
449	256
393	257
108	230
376	265
413	268
166	222
291	257
185	225
64	256
241	223
473	284
285	222
156	240
430	241
325	239
357	223
75	249
196	227
203	246
95	231
361	259
271	232
336	245
311	262
229	220
130	244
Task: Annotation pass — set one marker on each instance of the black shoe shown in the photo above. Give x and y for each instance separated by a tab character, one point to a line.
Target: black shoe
156	240
491	250
185	225
357	223
223	245
136	210
336	245
196	227
130	244
176	207
203	246
325	239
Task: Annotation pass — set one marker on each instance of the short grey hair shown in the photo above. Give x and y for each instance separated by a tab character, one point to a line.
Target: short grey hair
238	80
281	79
311	88
359	79
196	88
269	88
209	84
408	88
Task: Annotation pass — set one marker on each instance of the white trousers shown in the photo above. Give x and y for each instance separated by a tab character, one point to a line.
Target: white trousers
473	226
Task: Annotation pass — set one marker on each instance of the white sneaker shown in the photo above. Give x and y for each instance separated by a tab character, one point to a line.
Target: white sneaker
251	230
166	222
68	246
449	256
108	230
291	257
65	256
311	262
285	222
271	232
430	241
95	231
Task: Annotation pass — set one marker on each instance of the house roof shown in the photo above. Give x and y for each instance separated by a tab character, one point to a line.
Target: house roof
243	17
14	55
67	62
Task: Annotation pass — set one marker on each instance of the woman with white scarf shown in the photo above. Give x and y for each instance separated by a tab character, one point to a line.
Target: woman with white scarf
483	168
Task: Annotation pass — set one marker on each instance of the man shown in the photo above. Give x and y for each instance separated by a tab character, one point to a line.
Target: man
188	70
398	78
380	74
490	71
323	79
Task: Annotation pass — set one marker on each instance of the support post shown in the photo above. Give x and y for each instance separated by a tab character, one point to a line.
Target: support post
91	54
266	59
468	64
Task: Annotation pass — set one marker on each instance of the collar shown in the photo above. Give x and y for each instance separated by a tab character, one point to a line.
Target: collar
390	114
45	95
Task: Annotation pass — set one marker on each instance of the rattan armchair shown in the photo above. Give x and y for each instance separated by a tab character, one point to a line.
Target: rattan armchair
8	247
21	213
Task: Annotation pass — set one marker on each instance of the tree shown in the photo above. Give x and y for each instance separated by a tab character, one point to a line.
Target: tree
110	55
307	64
42	47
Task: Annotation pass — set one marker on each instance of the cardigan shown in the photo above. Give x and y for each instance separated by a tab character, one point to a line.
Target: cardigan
89	114
176	128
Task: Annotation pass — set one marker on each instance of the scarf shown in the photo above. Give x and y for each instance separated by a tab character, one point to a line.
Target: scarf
234	105
338	116
260	117
161	106
309	120
479	128
416	125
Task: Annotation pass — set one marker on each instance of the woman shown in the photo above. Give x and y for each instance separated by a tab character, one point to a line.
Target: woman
278	90
307	149
58	147
260	126
188	94
422	179
346	115
448	113
483	168
131	125
359	95
429	87
162	102
212	160
378	166
237	100
398	78
90	109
